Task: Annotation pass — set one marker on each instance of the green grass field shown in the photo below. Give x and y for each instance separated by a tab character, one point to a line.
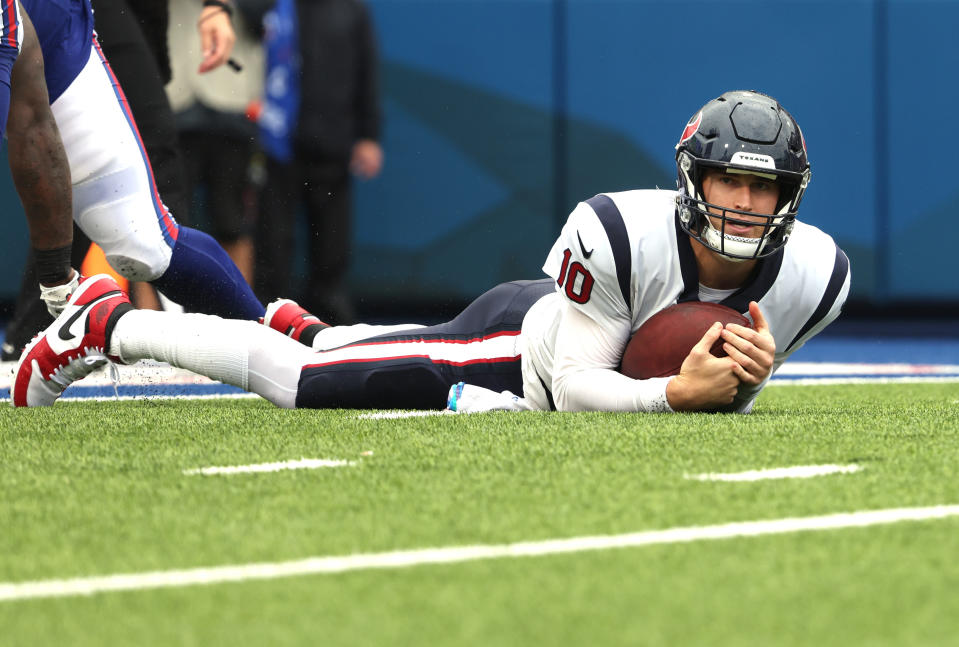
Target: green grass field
92	489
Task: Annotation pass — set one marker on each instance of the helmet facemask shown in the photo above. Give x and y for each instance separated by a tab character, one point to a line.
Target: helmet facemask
745	133
694	213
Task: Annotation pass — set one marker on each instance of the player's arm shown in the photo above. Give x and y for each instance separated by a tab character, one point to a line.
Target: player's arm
217	36
594	324
585	378
38	164
585	375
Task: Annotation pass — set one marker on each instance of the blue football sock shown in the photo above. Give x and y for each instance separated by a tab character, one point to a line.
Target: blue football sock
203	278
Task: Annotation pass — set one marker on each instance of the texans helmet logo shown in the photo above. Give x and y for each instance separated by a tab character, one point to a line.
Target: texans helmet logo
692	127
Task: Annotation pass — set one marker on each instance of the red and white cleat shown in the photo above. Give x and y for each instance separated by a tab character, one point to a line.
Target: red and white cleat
287	317
73	346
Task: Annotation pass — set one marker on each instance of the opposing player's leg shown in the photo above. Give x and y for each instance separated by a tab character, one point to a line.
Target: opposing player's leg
30	314
72	346
136	58
115	202
415	367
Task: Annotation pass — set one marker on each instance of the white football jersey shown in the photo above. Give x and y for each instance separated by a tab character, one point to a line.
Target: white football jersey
623	257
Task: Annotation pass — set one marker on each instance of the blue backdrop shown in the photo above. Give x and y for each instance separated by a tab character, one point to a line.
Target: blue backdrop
501	114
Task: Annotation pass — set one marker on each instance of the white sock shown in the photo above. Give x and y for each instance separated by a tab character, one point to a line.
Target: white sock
241	353
336	336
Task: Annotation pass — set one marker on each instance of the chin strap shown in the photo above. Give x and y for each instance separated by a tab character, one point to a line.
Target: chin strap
56	297
744	248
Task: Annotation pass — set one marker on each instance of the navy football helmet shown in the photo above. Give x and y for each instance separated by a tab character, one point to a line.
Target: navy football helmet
746	132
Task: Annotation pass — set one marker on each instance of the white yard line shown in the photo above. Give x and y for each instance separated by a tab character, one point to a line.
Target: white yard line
301	464
795	472
458	554
821	381
865	368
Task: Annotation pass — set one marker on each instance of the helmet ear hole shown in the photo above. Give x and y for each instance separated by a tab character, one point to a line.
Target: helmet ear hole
787	194
690	176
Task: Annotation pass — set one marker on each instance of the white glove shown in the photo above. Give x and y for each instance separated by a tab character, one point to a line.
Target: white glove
56	297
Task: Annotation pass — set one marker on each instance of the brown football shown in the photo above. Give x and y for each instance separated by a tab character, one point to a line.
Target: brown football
660	345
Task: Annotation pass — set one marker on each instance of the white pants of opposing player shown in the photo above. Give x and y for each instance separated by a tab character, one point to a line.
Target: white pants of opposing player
114	200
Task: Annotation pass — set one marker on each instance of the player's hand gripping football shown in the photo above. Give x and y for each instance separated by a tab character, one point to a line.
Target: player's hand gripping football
754	349
704	381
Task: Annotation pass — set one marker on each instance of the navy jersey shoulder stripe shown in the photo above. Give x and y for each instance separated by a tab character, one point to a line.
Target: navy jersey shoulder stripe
687	265
549	394
760	283
755	289
840	269
612	221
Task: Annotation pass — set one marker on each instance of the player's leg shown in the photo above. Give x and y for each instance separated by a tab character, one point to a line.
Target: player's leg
72	346
99	323
30	314
117	205
289	318
241	353
414	368
137	66
409	369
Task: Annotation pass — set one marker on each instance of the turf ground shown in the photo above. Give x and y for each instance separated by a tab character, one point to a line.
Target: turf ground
96	489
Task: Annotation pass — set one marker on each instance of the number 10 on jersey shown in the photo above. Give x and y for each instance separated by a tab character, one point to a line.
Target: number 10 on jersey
575	279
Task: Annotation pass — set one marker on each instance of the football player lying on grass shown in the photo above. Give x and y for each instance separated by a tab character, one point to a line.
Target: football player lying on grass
557	342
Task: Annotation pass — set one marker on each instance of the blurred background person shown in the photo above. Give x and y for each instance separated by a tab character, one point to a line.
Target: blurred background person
217	139
321	123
